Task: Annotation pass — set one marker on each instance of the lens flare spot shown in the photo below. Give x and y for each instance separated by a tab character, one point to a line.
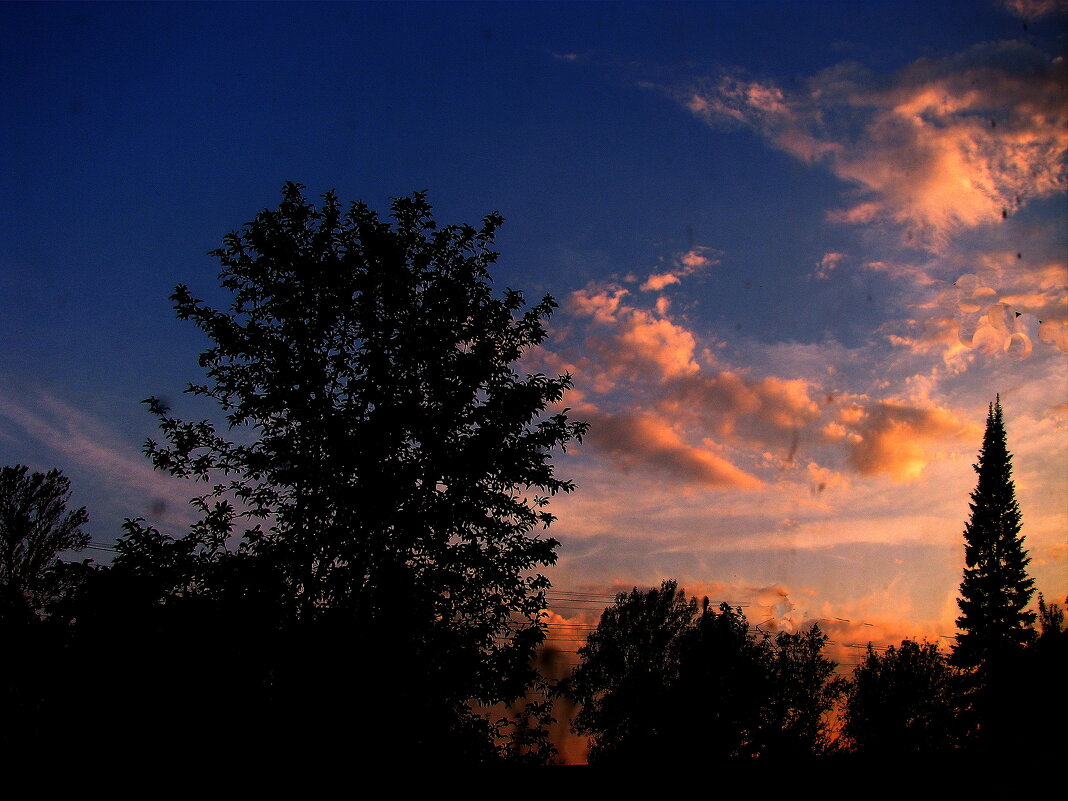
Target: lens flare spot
1000	317
1047	332
1018	346
988	340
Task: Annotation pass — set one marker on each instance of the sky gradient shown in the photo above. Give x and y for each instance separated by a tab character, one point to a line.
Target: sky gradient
798	247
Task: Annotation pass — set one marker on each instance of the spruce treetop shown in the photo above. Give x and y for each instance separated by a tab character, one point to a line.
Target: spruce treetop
996	589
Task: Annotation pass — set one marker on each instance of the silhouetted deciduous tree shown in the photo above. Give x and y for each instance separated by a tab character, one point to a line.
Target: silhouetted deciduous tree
393	468
1050	621
996	589
660	681
904	702
35	527
723	689
1042	673
803	690
627	676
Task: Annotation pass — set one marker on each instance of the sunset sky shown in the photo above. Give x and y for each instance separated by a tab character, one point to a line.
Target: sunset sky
798	248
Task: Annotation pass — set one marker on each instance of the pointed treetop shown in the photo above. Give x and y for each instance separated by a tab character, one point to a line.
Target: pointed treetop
996	589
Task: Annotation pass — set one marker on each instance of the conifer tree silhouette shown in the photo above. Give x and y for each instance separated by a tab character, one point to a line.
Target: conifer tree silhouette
996	589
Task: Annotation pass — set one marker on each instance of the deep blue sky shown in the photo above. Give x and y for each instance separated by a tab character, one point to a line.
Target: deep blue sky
134	136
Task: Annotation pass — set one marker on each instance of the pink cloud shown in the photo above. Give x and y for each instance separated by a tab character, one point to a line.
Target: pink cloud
823	479
828	263
944	145
656	282
898	440
1040	289
767	410
639	341
918	275
645	442
1035	9
696	258
656	341
1010	308
600	303
687	263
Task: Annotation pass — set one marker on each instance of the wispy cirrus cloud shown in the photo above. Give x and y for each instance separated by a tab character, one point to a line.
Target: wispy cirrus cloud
81	440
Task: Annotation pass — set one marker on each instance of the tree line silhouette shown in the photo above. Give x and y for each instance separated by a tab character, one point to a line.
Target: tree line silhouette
663	678
362	584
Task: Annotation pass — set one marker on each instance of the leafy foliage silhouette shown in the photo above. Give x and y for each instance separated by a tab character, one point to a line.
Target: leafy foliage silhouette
374	504
804	689
1042	709
1050	620
660	681
35	527
904	702
721	699
627	674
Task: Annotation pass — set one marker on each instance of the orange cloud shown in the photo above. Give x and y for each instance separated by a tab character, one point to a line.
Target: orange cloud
686	264
643	441
656	341
827	264
896	440
991	324
1041	290
696	258
601	304
639	342
946	145
934	334
766	410
654	283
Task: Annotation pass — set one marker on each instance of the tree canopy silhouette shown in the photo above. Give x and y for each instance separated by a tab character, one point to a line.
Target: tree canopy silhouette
904	702
996	590
35	527
1043	668
383	471
662	680
628	673
803	690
